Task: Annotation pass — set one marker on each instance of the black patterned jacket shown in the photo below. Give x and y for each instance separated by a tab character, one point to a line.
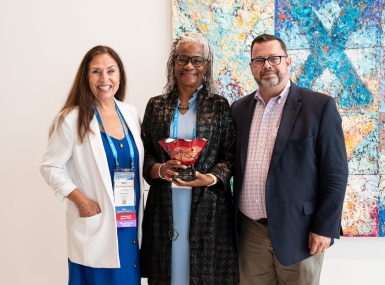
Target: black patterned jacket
213	259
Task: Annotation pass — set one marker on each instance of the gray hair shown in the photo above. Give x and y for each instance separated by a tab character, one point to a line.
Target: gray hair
208	53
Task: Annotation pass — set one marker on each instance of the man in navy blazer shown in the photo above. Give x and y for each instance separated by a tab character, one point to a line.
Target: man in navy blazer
290	173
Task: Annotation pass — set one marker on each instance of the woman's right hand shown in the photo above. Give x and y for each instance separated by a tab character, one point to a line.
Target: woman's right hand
86	207
164	170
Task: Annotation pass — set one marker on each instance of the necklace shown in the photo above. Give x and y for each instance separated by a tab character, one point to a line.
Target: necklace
184	107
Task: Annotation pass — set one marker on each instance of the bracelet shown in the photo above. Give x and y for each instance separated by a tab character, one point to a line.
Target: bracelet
214	178
159	171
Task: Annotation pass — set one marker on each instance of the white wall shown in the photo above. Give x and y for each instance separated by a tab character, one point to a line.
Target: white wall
42	44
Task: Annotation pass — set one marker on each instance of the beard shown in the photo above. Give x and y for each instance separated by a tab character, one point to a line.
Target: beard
272	80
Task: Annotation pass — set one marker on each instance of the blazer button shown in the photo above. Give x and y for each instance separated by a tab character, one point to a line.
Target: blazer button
134	265
134	241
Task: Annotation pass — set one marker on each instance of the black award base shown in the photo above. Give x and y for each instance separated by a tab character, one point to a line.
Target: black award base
185	174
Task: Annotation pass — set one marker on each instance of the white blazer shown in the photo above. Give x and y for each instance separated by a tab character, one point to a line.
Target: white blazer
67	165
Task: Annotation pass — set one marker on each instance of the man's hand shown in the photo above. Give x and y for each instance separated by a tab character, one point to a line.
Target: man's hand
318	244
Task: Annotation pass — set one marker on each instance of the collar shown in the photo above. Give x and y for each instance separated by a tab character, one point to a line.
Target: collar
194	97
281	96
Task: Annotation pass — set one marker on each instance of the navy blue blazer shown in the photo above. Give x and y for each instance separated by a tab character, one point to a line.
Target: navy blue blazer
306	182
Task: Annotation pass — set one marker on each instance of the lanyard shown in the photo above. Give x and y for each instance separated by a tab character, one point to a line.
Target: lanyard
114	152
175	122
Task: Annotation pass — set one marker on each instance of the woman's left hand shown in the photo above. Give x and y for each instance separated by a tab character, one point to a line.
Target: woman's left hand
201	180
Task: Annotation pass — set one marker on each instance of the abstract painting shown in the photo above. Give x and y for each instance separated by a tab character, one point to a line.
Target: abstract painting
337	48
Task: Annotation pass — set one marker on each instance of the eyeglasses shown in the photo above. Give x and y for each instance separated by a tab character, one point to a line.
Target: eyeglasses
272	60
195	60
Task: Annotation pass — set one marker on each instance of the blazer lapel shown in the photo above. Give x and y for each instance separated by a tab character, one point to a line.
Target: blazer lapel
289	114
100	157
169	109
247	118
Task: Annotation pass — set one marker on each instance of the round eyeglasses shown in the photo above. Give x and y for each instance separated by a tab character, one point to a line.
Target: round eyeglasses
272	60
197	61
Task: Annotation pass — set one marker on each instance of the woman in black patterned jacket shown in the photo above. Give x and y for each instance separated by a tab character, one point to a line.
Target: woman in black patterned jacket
188	225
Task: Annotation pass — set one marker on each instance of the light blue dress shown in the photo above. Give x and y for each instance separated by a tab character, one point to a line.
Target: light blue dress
181	204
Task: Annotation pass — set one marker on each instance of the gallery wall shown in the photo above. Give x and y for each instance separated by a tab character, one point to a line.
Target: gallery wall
42	44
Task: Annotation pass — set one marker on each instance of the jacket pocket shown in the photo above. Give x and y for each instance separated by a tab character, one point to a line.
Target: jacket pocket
308	140
309	207
86	227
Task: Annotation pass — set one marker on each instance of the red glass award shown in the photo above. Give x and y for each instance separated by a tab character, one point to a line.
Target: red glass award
187	152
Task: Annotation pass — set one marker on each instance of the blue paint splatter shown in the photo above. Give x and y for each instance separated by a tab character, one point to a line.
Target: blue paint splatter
381	216
327	46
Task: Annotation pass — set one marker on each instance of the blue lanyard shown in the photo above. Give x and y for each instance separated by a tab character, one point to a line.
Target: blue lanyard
176	115
114	152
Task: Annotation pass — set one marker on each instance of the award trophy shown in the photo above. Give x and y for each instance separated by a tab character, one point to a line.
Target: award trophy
187	152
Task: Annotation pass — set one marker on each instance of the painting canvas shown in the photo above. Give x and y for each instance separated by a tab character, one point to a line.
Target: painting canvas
337	49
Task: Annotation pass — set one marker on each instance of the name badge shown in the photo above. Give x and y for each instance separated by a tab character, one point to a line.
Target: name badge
124	193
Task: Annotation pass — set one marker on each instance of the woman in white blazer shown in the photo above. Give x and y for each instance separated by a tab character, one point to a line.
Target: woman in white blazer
93	135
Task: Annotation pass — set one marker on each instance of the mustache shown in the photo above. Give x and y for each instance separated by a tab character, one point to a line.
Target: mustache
267	70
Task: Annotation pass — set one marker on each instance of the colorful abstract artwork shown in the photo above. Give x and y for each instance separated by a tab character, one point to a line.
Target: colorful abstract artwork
337	48
230	27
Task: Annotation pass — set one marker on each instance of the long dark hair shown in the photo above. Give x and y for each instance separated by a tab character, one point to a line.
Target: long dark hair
81	96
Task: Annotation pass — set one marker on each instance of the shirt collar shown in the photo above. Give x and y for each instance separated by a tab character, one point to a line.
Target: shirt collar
194	97
281	96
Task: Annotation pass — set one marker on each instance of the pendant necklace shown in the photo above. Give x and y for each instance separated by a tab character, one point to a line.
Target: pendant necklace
183	107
